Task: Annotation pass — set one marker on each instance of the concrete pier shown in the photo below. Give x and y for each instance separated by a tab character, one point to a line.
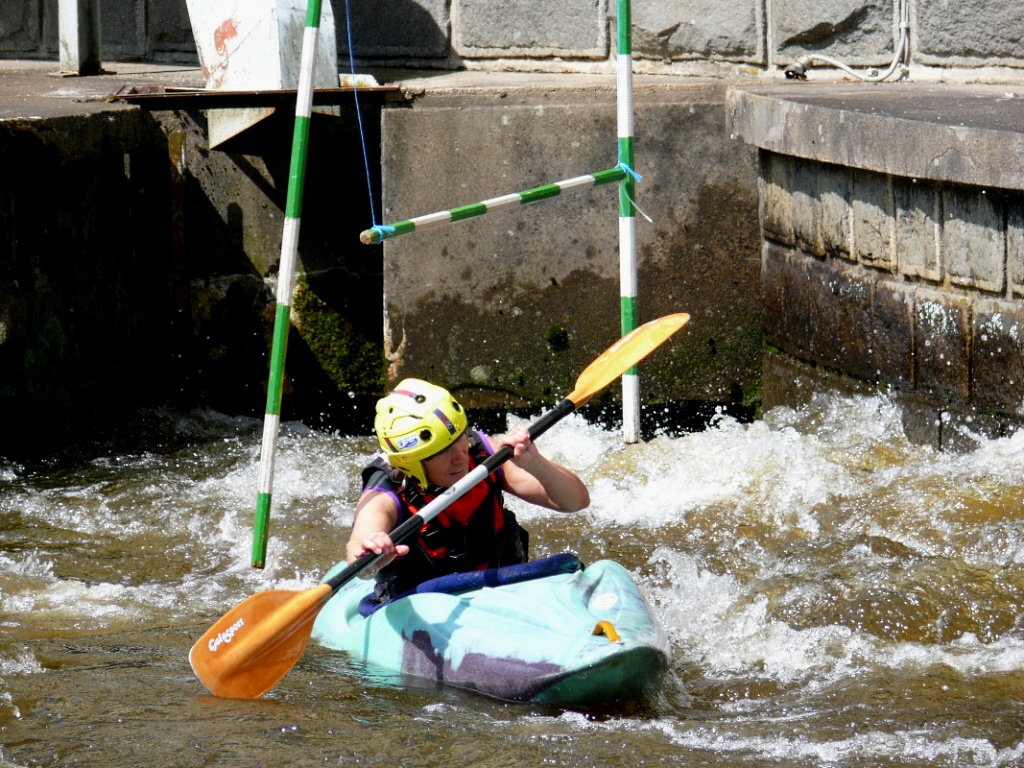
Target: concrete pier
510	308
893	247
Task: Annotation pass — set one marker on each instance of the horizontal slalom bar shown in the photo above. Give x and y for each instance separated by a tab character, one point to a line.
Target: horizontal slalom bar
379	233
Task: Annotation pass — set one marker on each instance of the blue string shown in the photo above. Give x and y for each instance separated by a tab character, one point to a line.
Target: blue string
623	167
359	112
382	232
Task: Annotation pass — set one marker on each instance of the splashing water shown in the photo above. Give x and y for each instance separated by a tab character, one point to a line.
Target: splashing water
834	596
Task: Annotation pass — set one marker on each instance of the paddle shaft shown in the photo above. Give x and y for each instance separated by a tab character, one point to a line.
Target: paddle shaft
451	495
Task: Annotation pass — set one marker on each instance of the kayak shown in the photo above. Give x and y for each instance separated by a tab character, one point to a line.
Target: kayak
548	632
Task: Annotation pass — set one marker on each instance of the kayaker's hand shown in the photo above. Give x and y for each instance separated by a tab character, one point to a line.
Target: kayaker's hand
524	451
380	544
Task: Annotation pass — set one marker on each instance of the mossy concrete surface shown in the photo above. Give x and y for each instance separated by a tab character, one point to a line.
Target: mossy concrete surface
511	307
138	269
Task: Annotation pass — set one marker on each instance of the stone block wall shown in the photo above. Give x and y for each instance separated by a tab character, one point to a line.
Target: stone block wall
892	247
908	284
747	38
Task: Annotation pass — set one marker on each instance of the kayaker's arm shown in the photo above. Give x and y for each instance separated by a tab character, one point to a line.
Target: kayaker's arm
375	515
534	478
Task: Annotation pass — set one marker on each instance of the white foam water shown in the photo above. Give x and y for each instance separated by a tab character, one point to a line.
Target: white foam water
834	595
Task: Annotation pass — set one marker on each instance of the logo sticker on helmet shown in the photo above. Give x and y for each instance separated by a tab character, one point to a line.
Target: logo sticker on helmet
407	442
445	420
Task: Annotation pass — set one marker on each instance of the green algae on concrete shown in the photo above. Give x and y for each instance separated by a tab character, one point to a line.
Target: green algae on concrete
352	362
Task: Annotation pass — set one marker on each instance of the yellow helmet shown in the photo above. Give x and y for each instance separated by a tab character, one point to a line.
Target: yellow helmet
416	421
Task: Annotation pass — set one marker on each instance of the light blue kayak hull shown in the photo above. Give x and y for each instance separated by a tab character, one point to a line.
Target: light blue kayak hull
531	641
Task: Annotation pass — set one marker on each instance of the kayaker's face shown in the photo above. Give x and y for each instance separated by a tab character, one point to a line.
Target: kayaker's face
450	465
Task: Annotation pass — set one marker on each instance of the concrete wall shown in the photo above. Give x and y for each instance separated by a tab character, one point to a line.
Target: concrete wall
735	37
542	284
87	276
513	306
893	249
138	268
507	309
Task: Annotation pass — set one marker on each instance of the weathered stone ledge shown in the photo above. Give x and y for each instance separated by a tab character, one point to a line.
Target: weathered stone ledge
958	134
893	245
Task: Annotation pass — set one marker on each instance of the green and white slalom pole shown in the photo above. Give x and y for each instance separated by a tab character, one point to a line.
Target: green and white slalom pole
377	234
285	281
627	217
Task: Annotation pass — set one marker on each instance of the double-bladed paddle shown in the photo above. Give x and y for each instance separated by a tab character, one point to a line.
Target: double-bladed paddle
252	646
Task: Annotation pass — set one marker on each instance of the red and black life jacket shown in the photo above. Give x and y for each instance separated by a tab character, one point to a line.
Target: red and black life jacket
474	532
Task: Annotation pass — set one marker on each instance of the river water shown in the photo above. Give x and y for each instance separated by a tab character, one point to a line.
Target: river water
834	597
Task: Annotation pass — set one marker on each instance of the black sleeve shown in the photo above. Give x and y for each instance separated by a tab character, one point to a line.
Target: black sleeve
375	471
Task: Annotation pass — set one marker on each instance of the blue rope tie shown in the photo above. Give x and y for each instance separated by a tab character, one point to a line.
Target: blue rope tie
382	231
623	167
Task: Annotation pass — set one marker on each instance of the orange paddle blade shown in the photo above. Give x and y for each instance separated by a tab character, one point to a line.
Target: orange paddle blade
257	642
624	354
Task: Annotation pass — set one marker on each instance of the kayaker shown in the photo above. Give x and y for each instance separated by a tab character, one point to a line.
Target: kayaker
422	431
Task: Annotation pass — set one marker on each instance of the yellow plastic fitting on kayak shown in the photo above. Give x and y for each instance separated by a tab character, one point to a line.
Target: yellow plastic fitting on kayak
607	629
